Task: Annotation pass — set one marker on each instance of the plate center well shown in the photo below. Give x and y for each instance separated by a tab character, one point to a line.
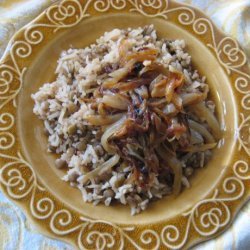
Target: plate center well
34	142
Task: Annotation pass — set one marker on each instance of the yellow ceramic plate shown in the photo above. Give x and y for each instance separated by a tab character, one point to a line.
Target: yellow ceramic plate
28	175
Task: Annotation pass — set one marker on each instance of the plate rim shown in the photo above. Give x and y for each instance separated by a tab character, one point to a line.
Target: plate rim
111	4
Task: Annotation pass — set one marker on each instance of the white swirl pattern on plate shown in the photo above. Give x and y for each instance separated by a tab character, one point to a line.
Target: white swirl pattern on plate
20	181
217	216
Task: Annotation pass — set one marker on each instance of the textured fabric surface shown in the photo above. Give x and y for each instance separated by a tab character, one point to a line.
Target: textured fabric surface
16	232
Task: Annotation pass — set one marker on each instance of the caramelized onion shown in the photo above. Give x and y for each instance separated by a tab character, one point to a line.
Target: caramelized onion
177	101
158	88
99	120
192	98
157	102
123	49
146	54
118	74
175	165
203	112
199	148
142	91
110	131
154	66
103	168
201	130
116	101
175	81
132	84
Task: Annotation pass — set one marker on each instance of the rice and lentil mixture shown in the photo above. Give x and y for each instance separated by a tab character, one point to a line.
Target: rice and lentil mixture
128	117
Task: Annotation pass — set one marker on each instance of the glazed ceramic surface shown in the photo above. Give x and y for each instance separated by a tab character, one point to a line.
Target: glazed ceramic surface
27	171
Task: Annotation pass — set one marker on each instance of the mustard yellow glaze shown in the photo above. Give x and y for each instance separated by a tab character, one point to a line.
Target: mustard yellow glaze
27	175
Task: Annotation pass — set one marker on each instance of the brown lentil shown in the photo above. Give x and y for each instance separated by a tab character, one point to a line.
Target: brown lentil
60	163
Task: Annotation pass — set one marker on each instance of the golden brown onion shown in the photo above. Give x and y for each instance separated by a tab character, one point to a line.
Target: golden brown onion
99	120
175	165
111	131
201	129
103	168
146	54
204	113
116	101
199	148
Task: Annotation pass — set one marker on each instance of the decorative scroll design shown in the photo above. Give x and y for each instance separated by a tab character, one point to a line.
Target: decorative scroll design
206	217
244	134
216	214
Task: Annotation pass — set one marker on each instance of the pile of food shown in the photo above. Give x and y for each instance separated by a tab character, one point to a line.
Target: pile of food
129	117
